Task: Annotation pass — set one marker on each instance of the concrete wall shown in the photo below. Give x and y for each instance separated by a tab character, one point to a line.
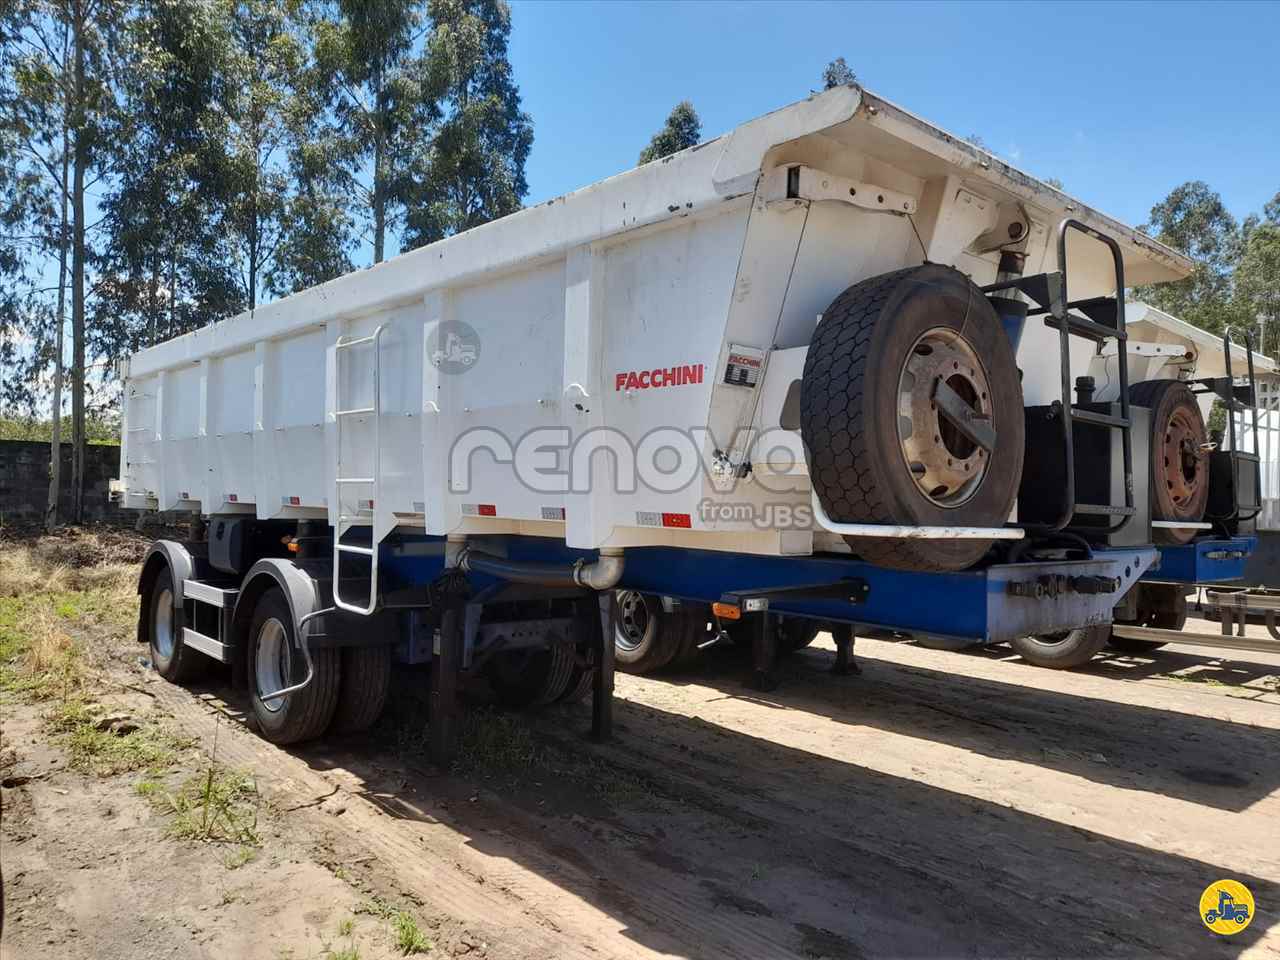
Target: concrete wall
24	480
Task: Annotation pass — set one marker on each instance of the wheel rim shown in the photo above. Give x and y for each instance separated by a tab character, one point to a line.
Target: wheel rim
1184	470
1053	639
947	466
162	624
271	663
634	618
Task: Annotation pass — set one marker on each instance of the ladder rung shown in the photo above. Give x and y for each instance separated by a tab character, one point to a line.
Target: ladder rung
354	411
353	479
1087	328
1101	419
351	548
1104	510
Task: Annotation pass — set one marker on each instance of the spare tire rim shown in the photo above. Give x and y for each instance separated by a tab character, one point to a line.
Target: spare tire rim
1183	471
162	627
633	620
271	663
947	466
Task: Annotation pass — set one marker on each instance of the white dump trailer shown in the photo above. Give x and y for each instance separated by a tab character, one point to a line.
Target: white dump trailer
786	372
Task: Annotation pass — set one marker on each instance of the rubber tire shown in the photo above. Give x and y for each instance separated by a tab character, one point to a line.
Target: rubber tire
657	646
1164	397
691	625
306	714
848	417
1078	648
532	678
186	665
579	686
362	694
796	633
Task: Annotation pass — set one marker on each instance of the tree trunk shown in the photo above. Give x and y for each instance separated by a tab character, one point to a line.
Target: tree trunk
379	203
55	440
80	163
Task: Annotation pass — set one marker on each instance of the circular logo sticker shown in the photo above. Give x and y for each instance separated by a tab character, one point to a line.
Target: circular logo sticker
453	346
1226	906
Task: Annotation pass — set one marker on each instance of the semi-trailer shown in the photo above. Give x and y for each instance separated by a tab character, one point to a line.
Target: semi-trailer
796	375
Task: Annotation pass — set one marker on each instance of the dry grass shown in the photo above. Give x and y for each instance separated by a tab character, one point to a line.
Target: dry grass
49	584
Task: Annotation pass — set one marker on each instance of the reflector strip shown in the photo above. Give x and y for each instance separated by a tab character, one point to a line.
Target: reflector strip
681	520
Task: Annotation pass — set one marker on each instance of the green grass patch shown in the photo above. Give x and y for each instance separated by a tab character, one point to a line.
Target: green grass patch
409	939
497	745
215	806
107	751
239	857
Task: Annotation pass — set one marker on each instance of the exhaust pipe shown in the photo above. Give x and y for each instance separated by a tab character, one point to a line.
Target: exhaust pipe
601	574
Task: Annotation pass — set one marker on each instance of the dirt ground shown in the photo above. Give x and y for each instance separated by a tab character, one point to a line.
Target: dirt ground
942	804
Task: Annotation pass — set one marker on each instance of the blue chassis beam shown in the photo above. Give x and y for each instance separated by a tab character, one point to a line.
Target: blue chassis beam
974	604
1202	561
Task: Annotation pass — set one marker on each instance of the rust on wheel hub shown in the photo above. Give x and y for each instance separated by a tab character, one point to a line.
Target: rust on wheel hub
1184	462
947	466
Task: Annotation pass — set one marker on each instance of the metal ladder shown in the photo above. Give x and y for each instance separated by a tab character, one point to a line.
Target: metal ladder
345	521
1235	398
1103	320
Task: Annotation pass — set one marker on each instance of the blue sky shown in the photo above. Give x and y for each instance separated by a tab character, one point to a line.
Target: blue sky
1122	102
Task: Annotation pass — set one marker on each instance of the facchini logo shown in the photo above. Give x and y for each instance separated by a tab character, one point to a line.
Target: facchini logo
676	376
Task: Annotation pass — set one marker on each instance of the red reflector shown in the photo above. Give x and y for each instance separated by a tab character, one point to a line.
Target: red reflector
295	501
682	520
487	510
233	497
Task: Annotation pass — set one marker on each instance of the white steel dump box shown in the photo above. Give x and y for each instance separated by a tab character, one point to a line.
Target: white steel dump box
503	380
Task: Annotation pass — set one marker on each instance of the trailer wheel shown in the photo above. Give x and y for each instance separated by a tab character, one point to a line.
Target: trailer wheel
796	633
275	662
879	450
579	686
1179	469
1062	651
532	677
642	641
691	623
362	693
171	657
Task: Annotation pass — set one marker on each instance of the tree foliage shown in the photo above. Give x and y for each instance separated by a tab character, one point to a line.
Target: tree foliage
1193	220
165	162
682	130
473	168
837	74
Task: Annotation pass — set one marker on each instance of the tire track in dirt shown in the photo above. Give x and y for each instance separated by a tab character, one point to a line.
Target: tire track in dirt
542	905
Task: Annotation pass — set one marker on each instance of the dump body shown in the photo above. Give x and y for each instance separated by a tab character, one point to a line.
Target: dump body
503	381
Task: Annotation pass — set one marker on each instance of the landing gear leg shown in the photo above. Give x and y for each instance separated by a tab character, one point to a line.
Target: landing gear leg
446	662
764	653
845	665
597	610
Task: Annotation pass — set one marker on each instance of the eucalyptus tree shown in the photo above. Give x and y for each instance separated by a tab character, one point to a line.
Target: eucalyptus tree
364	55
1194	220
168	261
59	102
473	168
681	131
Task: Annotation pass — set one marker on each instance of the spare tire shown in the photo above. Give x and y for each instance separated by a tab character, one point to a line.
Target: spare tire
879	450
1179	464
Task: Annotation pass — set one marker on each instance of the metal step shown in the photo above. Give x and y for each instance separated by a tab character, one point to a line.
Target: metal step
206	593
206	645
